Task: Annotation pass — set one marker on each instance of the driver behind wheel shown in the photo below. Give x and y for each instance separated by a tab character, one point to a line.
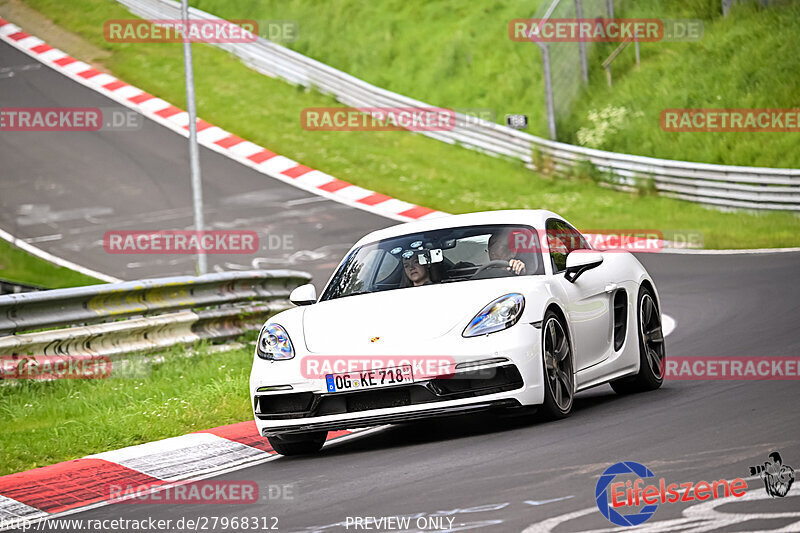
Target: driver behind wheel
500	251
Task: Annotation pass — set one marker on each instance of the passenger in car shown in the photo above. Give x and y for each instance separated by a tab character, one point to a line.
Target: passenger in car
415	274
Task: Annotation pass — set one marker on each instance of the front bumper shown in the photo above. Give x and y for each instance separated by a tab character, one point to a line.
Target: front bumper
306	405
393	418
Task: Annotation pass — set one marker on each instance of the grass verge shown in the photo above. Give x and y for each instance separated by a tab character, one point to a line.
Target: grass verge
81	417
409	166
19	266
458	54
737	64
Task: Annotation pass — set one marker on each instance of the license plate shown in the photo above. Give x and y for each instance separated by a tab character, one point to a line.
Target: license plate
369	379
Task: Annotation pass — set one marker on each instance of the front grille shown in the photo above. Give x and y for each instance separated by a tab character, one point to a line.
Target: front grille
378	399
497	379
353	402
282	404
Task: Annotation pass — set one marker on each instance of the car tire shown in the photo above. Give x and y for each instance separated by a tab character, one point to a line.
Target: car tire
298	444
558	369
652	352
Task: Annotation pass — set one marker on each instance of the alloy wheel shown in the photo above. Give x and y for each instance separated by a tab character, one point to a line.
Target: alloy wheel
652	335
558	364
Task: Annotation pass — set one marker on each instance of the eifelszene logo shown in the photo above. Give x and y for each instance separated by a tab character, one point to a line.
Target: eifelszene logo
777	477
601	494
632	494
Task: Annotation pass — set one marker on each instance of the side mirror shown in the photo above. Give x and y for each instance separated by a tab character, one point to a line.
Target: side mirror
303	295
579	262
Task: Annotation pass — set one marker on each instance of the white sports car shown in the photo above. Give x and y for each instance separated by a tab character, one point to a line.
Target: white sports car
453	315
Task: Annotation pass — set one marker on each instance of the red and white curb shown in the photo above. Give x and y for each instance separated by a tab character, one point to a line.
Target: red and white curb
90	482
250	154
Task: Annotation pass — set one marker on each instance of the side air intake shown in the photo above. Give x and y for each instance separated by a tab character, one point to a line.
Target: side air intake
620	318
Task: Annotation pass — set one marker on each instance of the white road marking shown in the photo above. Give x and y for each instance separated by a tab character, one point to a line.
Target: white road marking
33	250
697	518
45	238
730	252
542	502
309	200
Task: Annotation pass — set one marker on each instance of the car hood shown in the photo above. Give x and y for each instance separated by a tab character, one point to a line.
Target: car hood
391	321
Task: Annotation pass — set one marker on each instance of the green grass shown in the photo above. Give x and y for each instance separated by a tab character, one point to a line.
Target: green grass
19	266
48	422
409	166
450	53
457	54
738	64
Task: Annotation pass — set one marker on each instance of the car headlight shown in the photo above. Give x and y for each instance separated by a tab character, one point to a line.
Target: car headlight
500	314
274	343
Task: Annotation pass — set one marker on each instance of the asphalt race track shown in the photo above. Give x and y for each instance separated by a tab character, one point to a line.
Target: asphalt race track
62	192
487	472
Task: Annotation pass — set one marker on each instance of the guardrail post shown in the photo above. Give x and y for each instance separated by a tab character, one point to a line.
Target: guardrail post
581	43
194	158
548	90
726	7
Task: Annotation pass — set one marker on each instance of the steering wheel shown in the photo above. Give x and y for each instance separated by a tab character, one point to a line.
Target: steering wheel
492	264
466	269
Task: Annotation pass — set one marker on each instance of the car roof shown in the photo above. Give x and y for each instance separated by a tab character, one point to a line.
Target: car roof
530	217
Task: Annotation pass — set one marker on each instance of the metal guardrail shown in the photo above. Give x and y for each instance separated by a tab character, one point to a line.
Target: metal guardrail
112	301
159	312
720	185
146	334
12	287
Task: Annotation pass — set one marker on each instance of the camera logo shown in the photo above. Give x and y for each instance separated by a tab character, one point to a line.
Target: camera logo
605	503
777	477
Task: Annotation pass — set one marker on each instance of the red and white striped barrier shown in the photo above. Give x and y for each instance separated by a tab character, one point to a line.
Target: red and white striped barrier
210	136
92	481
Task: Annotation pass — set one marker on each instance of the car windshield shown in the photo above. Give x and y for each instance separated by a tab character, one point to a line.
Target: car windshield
440	256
